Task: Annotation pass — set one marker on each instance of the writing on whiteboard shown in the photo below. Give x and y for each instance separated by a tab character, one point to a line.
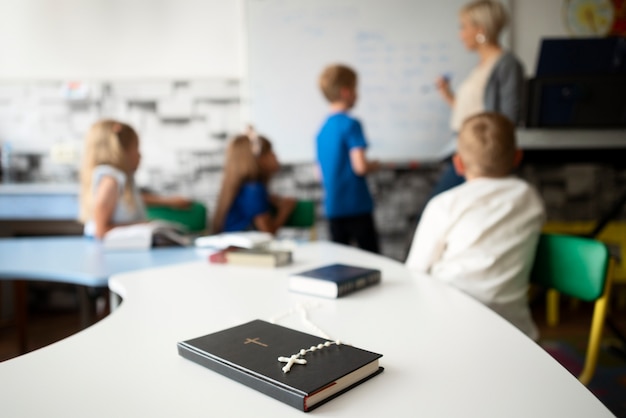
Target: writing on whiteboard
398	47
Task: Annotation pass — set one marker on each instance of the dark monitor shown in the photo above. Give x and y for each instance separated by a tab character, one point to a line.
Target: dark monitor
582	56
577	102
580	83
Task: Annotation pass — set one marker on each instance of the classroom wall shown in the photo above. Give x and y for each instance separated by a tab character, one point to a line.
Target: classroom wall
185	109
47	39
183	125
531	21
105	39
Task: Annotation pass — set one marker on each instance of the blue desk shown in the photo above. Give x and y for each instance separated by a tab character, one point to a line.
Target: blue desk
29	209
76	260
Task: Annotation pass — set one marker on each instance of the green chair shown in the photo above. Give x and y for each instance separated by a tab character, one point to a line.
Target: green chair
194	217
580	268
303	216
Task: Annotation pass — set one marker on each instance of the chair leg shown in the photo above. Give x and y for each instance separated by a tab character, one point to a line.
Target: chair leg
85	308
619	347
552	308
593	346
107	305
621	298
595	335
21	313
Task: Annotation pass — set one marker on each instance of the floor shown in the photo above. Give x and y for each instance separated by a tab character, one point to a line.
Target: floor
54	315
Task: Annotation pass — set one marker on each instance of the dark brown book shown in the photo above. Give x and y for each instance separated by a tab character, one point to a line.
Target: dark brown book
249	354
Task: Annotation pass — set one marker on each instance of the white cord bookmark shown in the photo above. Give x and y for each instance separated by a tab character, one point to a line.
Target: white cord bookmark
302	310
296	358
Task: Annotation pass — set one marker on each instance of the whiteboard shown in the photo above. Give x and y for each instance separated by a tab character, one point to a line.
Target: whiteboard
398	47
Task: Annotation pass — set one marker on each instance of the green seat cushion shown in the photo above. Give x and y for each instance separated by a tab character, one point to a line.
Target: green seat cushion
572	265
303	215
194	217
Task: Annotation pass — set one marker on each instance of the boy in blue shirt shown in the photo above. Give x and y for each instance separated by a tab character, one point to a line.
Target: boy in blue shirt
341	149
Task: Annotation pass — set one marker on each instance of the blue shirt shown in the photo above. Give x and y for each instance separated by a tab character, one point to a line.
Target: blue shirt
346	194
251	201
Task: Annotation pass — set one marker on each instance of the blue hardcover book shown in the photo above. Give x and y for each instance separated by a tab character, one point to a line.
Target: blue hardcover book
333	281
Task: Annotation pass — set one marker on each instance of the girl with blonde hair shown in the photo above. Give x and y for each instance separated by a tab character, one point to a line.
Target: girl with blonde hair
244	201
109	196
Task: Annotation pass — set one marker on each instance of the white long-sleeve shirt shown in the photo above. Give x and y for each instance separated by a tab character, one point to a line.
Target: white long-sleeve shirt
481	237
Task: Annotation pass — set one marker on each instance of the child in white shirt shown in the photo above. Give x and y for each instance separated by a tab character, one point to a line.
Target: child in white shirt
481	236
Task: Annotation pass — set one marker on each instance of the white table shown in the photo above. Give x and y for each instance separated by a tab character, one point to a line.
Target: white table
445	355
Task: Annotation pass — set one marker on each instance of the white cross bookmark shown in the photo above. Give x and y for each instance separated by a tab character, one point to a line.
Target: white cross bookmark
290	362
295	358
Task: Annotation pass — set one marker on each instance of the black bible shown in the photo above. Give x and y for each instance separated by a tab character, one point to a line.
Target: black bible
250	353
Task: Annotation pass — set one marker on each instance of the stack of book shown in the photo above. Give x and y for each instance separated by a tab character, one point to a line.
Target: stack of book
252	257
244	239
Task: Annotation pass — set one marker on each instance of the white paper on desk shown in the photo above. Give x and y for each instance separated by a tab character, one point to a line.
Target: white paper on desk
132	237
141	236
246	239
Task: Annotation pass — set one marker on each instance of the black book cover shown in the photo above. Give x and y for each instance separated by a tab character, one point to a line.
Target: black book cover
249	354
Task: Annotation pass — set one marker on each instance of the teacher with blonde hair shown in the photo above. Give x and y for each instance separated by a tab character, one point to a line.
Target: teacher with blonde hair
495	84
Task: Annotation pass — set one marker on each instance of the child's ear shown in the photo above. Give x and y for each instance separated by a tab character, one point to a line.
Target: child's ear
517	160
459	167
345	92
